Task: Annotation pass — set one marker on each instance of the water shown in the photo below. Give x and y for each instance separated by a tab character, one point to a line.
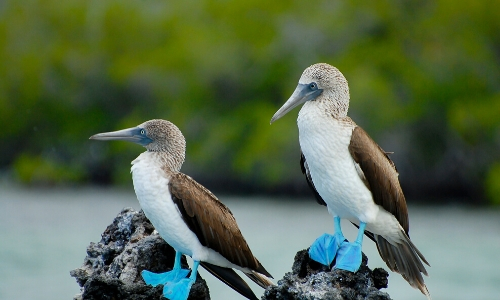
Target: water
44	235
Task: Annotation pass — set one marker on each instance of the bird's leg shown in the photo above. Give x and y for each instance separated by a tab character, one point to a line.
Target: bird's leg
180	290
349	254
175	275
338	231
324	248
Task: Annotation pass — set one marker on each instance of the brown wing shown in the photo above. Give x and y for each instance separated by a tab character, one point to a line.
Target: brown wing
212	222
380	175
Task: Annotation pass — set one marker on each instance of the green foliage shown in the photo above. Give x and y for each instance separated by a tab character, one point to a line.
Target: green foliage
492	184
220	69
39	170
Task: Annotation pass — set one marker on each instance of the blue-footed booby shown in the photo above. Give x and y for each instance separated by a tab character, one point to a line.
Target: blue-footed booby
186	215
350	174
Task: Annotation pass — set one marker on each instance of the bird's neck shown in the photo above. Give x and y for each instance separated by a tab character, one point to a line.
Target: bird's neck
328	106
169	162
335	104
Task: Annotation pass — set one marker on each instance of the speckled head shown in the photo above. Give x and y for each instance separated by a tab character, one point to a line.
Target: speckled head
164	136
157	135
327	77
321	83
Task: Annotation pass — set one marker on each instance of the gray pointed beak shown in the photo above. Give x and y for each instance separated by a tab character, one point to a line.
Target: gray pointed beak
135	135
301	94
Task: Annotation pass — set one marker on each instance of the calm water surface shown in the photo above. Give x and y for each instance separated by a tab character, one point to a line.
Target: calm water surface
44	235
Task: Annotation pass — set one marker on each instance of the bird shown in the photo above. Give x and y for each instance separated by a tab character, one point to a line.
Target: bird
186	214
353	177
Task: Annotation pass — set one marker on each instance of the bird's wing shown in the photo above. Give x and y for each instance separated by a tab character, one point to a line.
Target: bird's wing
379	174
305	170
212	222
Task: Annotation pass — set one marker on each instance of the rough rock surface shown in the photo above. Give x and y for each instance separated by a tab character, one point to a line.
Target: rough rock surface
112	267
310	280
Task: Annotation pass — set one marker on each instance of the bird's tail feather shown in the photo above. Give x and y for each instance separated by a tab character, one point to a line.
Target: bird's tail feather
260	279
231	278
406	259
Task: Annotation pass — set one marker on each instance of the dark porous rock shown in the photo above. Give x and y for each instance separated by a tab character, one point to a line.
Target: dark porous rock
112	268
311	280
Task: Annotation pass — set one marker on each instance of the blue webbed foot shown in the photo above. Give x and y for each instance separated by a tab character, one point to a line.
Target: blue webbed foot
349	257
155	279
175	275
349	254
175	284
178	290
324	248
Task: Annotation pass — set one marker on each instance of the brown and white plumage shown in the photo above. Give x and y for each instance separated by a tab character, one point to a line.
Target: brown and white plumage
214	225
349	173
186	214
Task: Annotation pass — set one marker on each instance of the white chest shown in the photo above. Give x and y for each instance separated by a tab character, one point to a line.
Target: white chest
324	141
151	188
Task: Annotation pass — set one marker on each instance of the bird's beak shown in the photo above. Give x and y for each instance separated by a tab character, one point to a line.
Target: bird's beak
301	94
130	135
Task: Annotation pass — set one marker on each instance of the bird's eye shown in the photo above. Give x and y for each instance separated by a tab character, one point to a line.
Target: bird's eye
143	132
313	86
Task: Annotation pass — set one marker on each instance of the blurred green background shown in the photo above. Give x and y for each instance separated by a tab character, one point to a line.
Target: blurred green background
424	79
